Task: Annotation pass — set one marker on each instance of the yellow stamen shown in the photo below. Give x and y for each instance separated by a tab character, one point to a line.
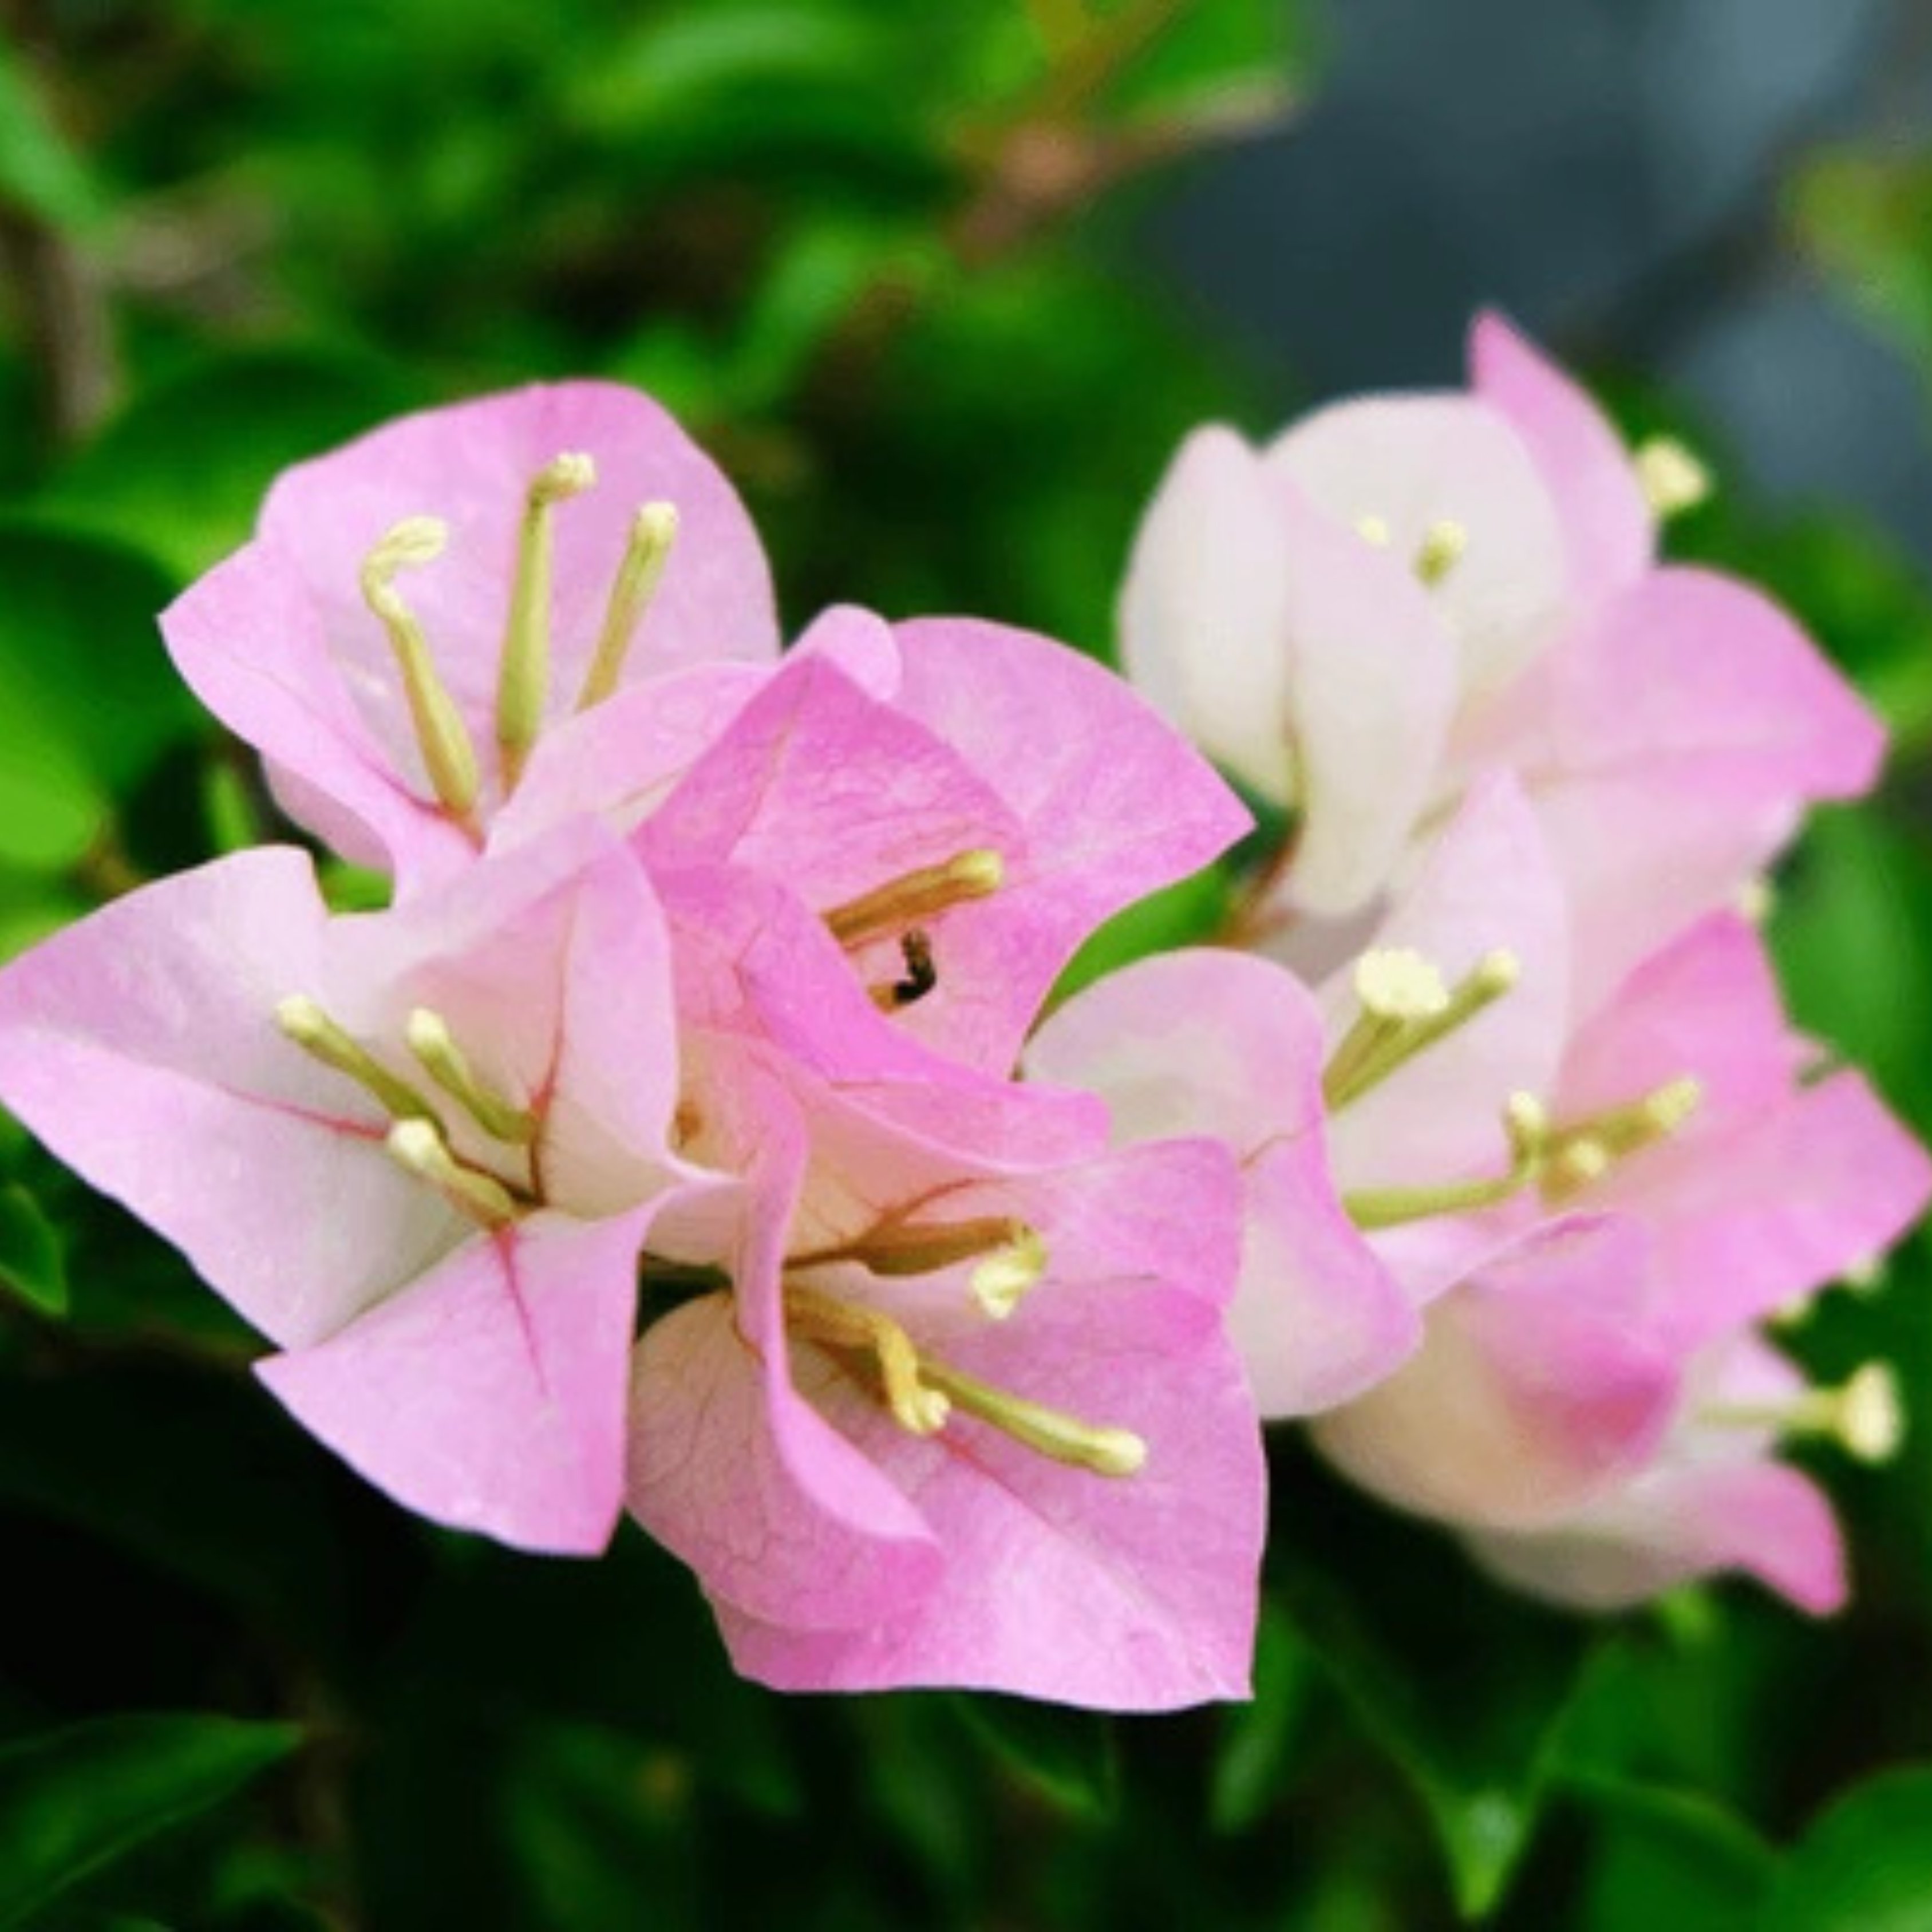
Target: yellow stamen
312	1029
917	896
1406	1010
522	678
448	754
653	531
430	1040
1865	1416
1064	1439
1395	988
1672	478
922	1393
1011	1255
1756	900
1584	1153
1375	530
918	1409
418	1146
1527	1127
1002	1281
1443	545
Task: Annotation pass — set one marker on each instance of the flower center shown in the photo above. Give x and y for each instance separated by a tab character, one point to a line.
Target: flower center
1442	547
418	1138
523	668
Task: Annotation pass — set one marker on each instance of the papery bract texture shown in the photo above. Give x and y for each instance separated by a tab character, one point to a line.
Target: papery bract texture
474	1367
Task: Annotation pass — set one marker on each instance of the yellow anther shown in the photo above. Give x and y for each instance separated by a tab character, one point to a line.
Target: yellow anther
433	1045
1864	1416
1064	1439
312	1029
522	678
1001	1281
419	1146
1395	983
1443	545
1586	1151
1406	1010
1526	1126
1375	530
1672	478
918	1409
653	531
1871	1414
1756	901
898	1248
917	896
448	754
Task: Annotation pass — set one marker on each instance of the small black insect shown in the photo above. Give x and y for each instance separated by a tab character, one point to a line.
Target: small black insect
921	975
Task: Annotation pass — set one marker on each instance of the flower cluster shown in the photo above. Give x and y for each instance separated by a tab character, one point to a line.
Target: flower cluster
686	1137
1534	777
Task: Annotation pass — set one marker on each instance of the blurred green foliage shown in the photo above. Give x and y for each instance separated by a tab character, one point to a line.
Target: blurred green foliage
872	254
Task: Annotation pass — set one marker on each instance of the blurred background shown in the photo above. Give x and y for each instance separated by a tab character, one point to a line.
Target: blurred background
942	287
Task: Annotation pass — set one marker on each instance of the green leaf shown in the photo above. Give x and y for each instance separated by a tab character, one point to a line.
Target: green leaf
1463	1688
1865	1865
183	470
90	701
72	1801
1189	913
1670	1857
39	172
1071	1757
33	1258
1257	1738
1240	61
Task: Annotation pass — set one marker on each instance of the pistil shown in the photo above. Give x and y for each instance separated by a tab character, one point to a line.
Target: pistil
522	685
448	754
1526	1126
917	896
653	531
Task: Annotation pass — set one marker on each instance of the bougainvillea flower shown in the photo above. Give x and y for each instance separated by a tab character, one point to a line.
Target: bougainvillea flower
1712	1499
946	1419
1538	1388
1403	590
1761	1172
961	820
418	1150
1224	1044
426	614
1688	1116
